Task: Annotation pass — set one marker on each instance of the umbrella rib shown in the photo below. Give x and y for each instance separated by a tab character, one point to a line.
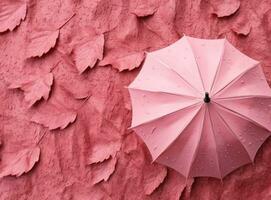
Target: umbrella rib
196	63
177	135
218	67
197	146
170	113
243	97
174	71
233	133
212	130
162	92
241	116
236	79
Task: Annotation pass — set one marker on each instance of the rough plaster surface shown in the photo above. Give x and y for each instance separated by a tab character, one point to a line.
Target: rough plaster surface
64	108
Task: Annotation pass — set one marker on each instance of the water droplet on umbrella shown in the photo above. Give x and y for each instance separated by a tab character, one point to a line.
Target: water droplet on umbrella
250	143
242	82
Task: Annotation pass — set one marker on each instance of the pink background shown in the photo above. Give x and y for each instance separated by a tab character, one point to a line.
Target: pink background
68	138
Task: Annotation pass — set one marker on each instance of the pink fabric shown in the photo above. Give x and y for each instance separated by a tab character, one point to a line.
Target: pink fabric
88	153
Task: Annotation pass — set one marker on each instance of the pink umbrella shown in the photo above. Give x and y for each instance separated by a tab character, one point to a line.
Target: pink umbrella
201	106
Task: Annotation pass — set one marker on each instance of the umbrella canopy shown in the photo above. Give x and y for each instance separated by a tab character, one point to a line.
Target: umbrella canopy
201	106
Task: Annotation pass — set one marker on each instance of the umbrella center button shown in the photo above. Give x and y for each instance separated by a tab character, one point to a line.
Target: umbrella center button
207	98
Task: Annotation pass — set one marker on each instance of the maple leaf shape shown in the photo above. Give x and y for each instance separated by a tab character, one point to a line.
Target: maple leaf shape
103	151
36	88
20	162
86	54
225	8
241	29
53	117
41	42
127	62
154	175
103	171
241	26
103	157
11	15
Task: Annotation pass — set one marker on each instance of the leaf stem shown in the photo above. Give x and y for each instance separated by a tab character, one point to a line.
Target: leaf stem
83	103
67	21
44	133
51	70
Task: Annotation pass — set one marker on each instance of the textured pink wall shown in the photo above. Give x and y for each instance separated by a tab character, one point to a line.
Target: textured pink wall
64	109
